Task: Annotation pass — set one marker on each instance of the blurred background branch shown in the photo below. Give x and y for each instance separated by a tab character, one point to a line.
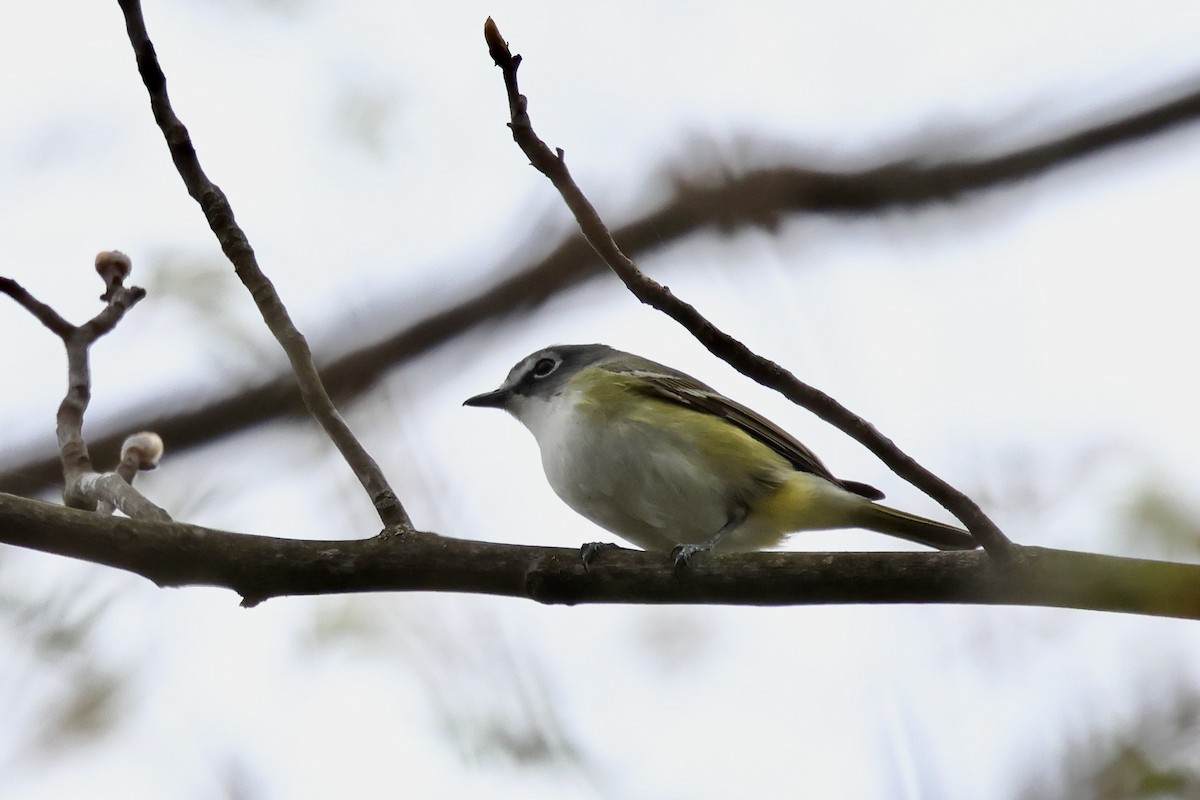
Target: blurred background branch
1152	753
718	198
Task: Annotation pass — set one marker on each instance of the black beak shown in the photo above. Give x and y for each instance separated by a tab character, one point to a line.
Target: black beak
495	399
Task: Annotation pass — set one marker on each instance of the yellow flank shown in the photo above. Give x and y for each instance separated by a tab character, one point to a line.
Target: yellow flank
806	502
778	511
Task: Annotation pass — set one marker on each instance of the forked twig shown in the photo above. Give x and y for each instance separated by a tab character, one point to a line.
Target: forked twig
83	487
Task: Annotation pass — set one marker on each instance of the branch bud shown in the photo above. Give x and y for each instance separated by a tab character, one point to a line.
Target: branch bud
113	267
143	450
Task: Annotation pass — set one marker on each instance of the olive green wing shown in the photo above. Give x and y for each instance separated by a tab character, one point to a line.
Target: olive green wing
689	392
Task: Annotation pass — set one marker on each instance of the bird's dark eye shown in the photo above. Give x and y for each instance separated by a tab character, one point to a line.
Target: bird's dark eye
544	367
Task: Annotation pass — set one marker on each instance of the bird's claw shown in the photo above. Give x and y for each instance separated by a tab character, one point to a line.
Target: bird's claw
590	550
682	554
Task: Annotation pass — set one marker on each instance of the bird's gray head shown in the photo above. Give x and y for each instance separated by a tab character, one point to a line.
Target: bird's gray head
541	375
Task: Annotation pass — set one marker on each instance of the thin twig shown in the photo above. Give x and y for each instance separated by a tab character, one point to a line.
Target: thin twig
83	487
44	313
768	373
113	267
118	493
236	246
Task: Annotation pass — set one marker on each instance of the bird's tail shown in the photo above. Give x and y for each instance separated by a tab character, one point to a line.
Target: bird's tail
882	519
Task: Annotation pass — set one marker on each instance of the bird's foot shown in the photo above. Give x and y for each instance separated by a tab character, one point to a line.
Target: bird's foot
682	554
592	549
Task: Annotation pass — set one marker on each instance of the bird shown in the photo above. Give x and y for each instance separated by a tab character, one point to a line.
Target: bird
669	464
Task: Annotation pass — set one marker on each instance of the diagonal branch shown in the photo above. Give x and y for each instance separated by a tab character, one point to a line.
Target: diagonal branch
261	567
724	204
42	312
237	249
768	373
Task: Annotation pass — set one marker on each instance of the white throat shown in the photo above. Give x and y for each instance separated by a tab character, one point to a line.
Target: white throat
551	420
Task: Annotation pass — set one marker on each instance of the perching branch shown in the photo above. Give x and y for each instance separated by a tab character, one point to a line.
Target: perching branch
236	246
724	202
768	373
261	567
83	487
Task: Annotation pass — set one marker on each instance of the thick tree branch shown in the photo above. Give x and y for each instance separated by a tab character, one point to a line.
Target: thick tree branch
236	246
767	372
261	567
725	202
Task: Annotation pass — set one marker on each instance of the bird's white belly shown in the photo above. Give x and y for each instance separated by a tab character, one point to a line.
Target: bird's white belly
638	482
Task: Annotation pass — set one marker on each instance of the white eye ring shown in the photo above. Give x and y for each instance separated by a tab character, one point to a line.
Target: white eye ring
543	367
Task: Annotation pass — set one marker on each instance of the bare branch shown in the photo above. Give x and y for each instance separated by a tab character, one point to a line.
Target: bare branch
79	491
112	490
236	246
83	486
261	567
44	313
768	373
724	202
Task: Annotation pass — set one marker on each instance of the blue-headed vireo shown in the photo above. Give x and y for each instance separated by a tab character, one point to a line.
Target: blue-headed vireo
669	464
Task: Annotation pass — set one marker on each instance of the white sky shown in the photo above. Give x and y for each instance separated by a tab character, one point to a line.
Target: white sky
1033	347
